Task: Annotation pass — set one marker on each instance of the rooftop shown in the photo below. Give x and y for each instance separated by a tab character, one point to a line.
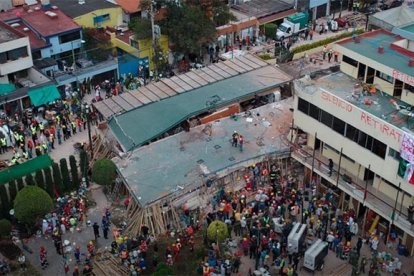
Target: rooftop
262	8
74	9
343	86
150	175
158	117
7	33
36	19
35	41
394	56
391	18
130	6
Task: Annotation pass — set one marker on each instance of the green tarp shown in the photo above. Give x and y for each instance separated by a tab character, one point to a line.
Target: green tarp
6	88
43	95
30	166
138	126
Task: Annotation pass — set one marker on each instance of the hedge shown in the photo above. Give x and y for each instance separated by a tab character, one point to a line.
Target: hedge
325	41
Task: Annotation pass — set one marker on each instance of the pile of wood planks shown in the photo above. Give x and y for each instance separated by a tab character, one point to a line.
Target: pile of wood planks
108	265
102	149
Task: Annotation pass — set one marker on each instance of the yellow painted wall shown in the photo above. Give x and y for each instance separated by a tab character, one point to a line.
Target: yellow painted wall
115	18
145	47
349	69
407	97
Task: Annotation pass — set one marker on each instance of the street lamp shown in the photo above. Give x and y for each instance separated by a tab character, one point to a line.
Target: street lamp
88	120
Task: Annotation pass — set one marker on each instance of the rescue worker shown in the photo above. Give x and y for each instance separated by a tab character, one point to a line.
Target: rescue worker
3	143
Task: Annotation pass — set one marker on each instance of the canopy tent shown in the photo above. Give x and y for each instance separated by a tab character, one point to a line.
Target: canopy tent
6	88
43	95
28	167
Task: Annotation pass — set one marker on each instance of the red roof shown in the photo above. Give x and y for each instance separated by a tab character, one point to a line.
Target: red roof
39	21
130	6
35	41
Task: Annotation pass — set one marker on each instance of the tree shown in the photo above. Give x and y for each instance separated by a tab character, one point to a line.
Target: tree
83	163
49	182
65	175
188	28
5	228
5	201
141	27
29	180
32	203
97	44
74	172
217	231
12	190
40	180
104	172
57	178
20	184
221	13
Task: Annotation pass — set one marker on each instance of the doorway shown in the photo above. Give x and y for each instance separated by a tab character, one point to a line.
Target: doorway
397	88
368	175
370	75
361	71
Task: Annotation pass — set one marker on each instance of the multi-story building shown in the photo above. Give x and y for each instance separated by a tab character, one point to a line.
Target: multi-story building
362	118
51	32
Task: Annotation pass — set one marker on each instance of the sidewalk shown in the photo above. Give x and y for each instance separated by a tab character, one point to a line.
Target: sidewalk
56	262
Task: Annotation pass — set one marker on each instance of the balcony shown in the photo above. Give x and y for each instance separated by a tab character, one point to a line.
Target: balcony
372	198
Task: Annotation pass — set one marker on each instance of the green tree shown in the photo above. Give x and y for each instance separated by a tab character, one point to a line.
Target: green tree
57	178
49	182
12	190
104	172
40	180
221	13
67	186
5	201
217	231
141	27
74	172
83	163
188	28
162	269
20	184
5	228
32	203
29	180
97	44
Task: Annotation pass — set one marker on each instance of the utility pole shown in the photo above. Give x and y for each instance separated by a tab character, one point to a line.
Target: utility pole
154	39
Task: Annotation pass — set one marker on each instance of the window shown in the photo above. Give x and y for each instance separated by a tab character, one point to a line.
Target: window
69	37
350	61
339	126
303	105
101	18
326	118
352	133
409	87
394	154
362	139
17	53
3	58
314	111
384	77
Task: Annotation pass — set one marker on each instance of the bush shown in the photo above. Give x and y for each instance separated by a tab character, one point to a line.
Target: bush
57	178
325	41
12	190
265	56
74	172
67	186
20	184
5	228
104	172
40	180
29	180
270	30
83	163
162	270
5	202
49	182
32	203
217	231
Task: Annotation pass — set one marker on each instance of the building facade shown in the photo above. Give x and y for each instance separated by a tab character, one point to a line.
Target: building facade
359	118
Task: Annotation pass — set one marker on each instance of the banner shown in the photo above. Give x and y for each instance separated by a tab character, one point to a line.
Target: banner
407	147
